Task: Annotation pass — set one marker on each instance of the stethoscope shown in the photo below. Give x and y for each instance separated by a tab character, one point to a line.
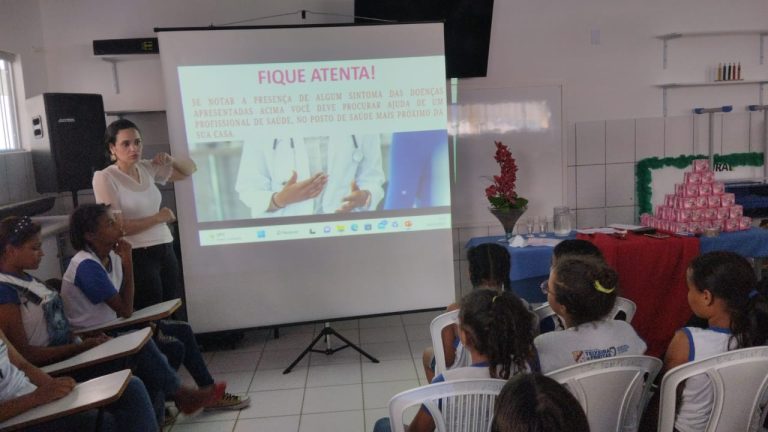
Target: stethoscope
357	154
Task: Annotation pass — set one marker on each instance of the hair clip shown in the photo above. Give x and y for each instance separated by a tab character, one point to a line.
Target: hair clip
18	228
21	224
602	289
752	294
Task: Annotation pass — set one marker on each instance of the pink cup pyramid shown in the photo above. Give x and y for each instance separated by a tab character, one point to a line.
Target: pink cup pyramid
697	204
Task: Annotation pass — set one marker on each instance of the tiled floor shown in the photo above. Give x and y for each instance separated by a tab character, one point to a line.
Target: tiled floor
343	392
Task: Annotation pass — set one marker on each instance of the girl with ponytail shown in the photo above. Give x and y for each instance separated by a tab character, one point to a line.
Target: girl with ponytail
582	290
497	330
722	289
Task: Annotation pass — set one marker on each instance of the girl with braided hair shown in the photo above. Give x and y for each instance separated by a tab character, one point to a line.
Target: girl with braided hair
721	290
582	290
489	265
498	332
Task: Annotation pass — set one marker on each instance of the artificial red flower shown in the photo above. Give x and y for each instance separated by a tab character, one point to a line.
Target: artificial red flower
501	194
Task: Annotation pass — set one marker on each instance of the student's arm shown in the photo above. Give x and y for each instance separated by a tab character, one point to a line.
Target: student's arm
449	335
122	301
11	324
48	389
677	354
678	351
423	422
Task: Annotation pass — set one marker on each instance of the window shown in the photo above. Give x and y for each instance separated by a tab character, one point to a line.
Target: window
9	126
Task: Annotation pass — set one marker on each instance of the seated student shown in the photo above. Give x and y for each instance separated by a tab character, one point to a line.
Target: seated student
488	269
98	285
497	331
537	403
721	290
32	318
572	247
23	387
582	290
569	247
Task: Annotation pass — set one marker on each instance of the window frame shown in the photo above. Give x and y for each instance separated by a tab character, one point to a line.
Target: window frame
10	140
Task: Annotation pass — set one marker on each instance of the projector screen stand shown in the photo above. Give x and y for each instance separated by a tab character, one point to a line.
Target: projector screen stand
328	331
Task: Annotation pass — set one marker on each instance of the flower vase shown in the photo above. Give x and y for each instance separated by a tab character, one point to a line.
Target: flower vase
508	219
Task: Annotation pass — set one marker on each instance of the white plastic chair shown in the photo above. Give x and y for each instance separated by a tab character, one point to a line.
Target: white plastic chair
436	333
739	381
622	305
612	391
456	406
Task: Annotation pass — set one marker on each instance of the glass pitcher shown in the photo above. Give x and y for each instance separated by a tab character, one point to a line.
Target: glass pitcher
562	221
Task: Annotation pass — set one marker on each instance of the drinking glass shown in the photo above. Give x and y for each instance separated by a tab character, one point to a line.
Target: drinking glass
543	226
529	225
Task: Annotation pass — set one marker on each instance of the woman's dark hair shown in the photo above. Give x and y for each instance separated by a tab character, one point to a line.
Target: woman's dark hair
576	247
114	128
85	219
499	326
15	231
730	277
537	403
586	286
489	263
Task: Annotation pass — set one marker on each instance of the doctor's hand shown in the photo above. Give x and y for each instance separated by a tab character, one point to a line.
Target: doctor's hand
297	191
356	198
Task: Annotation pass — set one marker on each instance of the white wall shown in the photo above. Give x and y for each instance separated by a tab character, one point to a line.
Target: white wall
533	42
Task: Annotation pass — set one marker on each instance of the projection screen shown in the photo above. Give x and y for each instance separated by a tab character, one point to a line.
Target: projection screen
323	187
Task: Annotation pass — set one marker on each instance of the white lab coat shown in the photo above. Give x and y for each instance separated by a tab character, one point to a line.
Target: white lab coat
265	167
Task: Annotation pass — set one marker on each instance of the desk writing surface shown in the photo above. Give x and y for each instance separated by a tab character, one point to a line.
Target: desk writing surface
121	346
90	394
149	313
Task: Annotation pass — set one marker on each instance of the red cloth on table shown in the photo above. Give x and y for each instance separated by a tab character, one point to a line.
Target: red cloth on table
652	274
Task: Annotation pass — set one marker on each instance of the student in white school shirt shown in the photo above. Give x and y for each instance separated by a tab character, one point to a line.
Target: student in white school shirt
582	290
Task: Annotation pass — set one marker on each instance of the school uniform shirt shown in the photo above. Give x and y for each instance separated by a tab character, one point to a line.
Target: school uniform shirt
589	341
13	382
696	401
32	314
87	285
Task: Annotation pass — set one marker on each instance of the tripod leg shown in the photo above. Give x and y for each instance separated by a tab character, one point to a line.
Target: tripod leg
351	345
306	350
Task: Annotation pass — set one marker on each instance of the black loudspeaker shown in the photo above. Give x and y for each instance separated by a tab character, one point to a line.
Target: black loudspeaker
67	140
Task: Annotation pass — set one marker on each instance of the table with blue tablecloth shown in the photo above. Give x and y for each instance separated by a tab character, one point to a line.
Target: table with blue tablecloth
750	243
528	268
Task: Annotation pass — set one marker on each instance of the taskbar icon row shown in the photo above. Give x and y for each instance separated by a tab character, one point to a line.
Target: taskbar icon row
327	229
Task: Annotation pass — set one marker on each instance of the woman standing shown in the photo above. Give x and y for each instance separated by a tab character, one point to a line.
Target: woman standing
128	186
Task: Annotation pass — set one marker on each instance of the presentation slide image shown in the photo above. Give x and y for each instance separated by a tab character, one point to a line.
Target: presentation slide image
351	173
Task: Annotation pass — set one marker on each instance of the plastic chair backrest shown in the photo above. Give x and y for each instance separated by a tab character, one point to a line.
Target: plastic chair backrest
456	406
622	305
436	333
612	391
739	381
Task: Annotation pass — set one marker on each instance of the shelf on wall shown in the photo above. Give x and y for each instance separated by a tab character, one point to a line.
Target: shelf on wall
678	35
120	113
710	83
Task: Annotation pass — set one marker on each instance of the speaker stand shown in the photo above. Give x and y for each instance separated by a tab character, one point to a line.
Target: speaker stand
328	331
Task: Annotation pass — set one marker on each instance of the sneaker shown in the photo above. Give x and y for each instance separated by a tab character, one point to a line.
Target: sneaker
229	402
